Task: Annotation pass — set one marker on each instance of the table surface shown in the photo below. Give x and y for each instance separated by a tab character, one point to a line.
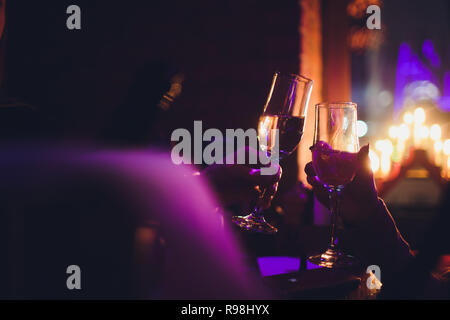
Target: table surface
307	282
321	283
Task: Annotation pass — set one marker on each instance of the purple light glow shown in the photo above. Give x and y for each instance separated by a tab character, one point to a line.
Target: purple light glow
430	54
410	69
270	266
411	72
146	186
444	102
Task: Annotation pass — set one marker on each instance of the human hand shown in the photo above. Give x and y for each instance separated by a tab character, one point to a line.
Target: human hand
241	184
359	198
235	183
371	233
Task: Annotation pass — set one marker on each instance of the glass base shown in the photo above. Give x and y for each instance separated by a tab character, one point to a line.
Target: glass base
254	223
333	258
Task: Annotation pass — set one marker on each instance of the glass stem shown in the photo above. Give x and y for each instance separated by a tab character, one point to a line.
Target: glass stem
334	195
257	211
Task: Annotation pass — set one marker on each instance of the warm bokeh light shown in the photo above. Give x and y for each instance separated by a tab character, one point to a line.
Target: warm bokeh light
448	167
424	132
350	148
379	145
419	115
437	156
385	165
446	147
393	132
403	132
435	132
438	146
361	128
411	133
374	161
384	146
389	148
408	117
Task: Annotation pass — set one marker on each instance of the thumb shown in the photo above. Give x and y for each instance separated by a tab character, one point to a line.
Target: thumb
363	158
364	172
363	153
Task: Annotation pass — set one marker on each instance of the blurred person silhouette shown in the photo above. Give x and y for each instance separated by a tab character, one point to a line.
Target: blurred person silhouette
143	120
138	120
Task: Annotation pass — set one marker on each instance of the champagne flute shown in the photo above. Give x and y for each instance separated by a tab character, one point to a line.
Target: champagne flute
334	158
280	130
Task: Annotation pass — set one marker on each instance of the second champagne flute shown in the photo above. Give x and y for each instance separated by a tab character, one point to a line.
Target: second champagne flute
280	129
334	158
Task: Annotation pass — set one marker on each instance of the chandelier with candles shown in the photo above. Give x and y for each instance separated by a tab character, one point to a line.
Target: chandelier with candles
405	139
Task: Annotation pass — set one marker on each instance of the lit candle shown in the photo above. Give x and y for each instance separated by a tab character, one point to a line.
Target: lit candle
419	115
424	133
374	163
386	148
435	136
419	119
403	132
435	132
394	135
437	148
448	168
446	149
385	165
393	132
406	126
403	135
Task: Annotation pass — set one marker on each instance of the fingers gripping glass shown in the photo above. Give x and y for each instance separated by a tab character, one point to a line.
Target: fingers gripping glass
280	130
334	156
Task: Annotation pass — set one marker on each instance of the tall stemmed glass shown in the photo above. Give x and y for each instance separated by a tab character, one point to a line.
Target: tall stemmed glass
334	155
280	130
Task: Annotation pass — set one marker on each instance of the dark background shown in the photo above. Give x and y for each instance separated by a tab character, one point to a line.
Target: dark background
227	51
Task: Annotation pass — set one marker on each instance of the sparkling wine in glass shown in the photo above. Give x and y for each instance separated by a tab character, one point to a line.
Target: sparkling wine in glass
334	158
280	130
290	132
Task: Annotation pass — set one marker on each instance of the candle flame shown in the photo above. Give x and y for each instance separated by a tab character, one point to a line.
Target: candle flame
438	146
384	146
374	161
403	132
385	164
435	132
424	132
419	115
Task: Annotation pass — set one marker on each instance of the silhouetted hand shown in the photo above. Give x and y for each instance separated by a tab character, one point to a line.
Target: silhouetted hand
242	184
370	232
359	196
237	183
